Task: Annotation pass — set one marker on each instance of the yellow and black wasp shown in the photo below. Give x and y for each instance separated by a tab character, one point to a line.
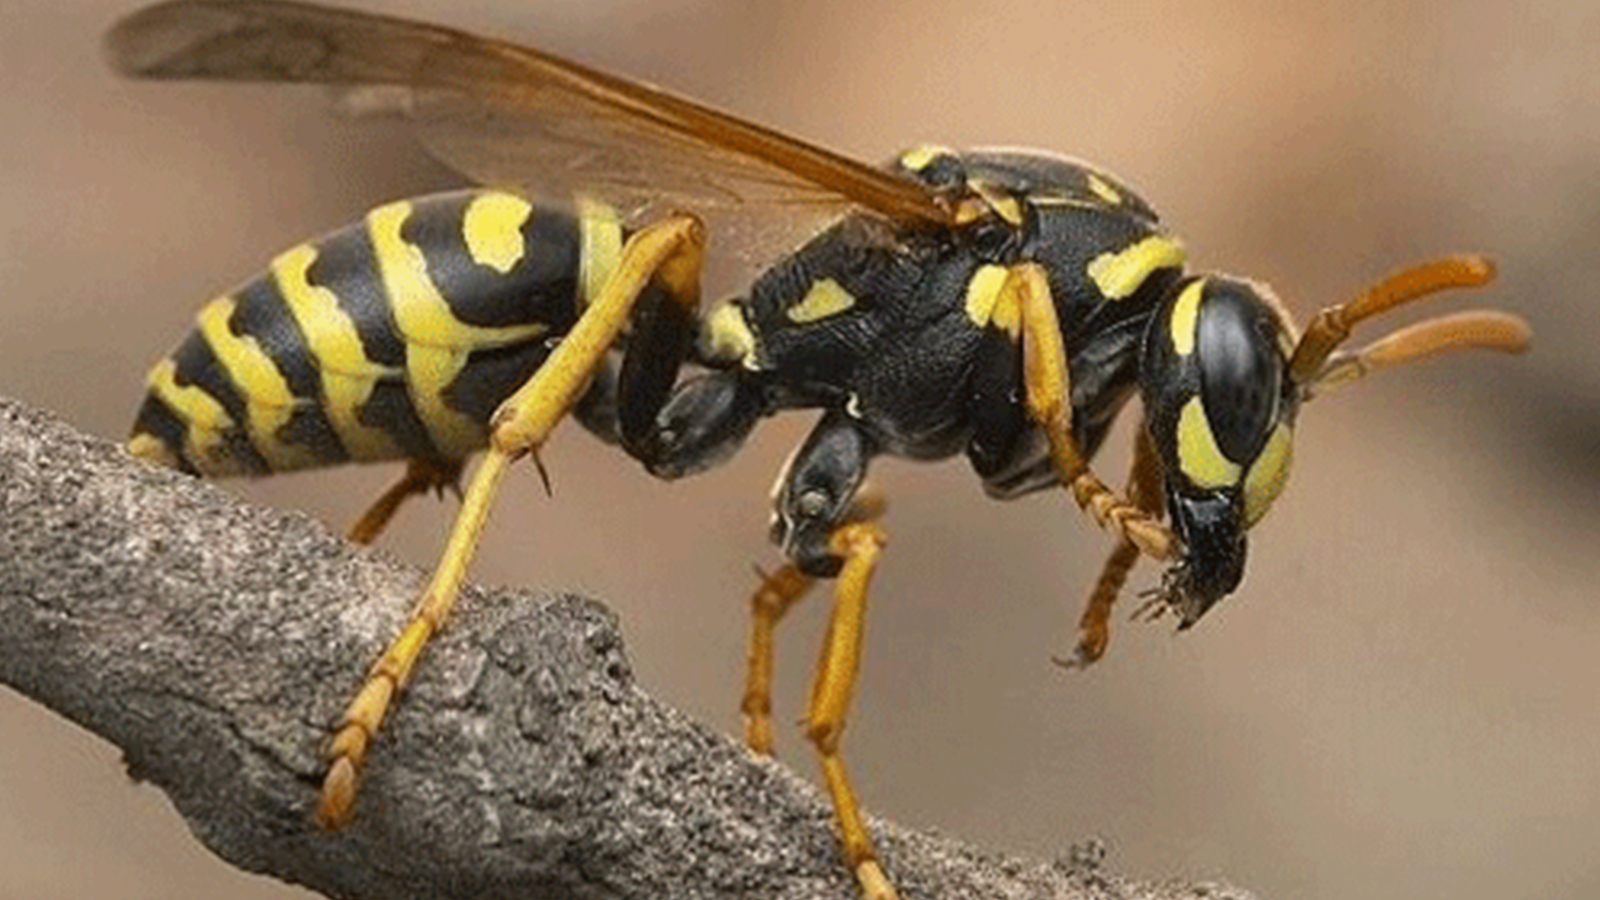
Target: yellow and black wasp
1001	304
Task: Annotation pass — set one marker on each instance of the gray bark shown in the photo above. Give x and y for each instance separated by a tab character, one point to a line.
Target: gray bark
214	643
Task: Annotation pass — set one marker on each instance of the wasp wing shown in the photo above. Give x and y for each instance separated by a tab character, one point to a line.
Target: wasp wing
511	116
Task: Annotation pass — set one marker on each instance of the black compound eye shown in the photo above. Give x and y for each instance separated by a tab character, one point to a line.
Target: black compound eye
1241	370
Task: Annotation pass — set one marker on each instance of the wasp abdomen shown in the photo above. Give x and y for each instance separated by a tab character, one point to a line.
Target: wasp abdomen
396	337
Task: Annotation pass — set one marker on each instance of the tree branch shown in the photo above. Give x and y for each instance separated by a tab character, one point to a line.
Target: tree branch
214	643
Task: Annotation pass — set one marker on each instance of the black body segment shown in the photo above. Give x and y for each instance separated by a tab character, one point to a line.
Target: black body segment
898	328
393	338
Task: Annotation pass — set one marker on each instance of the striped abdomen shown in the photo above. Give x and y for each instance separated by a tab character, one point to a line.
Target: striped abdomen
393	338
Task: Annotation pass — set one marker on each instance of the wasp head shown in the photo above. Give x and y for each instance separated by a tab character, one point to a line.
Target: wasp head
1220	411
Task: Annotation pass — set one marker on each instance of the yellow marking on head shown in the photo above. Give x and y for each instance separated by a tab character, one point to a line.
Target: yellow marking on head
601	228
492	227
826	298
1186	317
1103	189
204	417
1268	474
269	403
918	158
983	289
726	336
1198	454
348	376
437	343
1120	274
154	450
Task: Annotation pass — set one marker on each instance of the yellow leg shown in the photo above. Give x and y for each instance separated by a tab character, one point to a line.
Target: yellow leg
1094	627
860	544
669	253
1048	384
421	476
777	592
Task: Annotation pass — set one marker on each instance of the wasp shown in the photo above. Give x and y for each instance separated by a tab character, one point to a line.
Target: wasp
1002	305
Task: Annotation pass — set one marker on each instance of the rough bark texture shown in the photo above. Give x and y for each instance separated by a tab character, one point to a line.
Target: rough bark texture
214	643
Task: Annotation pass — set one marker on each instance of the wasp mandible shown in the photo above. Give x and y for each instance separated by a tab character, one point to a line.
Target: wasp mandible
1004	305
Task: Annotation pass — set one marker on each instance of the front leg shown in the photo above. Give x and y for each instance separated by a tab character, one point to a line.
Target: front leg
1146	492
1048	388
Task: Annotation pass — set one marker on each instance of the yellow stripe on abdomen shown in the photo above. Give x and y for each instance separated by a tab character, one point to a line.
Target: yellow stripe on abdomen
437	343
206	421
268	400
348	376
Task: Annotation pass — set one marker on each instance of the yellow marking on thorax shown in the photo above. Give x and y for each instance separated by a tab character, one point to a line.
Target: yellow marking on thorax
437	343
1103	189
997	198
918	158
269	403
826	298
1186	317
1120	274
601	230
205	418
1043	200
1268	474
726	336
1198	454
492	228
348	376
983	289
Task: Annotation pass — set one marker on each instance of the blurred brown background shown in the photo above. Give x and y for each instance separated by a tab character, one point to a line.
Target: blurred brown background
1401	702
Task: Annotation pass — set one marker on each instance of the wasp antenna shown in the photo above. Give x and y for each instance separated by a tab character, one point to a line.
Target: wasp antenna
1333	325
1479	329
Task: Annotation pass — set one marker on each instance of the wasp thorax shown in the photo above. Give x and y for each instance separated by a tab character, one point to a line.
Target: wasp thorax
1220	410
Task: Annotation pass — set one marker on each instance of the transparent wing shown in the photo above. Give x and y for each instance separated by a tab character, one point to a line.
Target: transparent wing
515	117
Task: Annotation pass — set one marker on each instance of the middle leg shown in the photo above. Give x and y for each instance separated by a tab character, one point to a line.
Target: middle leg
827	525
1094	627
859	545
421	476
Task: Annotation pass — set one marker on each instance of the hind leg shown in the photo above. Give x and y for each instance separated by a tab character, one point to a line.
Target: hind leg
667	254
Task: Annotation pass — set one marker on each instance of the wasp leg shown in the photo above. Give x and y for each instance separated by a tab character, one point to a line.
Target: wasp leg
667	254
1048	385
826	524
771	600
422	475
859	544
1094	627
